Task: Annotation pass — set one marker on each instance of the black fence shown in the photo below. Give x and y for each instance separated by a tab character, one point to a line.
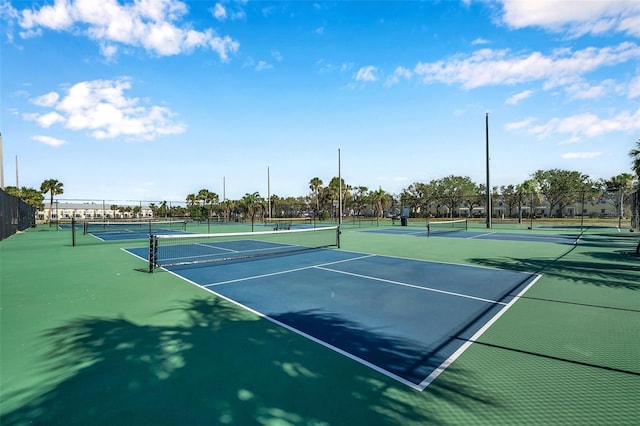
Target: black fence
15	215
635	211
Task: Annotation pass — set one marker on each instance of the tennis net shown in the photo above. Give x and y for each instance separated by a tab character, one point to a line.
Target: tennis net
133	226
191	249
281	224
446	226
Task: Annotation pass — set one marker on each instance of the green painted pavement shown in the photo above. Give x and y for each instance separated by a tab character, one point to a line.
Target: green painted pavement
87	338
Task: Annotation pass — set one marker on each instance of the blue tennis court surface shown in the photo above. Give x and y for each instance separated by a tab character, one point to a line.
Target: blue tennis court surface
482	235
405	318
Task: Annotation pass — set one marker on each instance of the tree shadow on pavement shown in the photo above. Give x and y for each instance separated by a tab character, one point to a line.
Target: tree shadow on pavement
222	365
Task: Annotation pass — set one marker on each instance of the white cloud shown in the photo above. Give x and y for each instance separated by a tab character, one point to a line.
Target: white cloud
580	155
479	41
263	65
49	119
151	25
634	88
575	18
46	100
101	107
487	67
398	74
581	126
514	99
219	12
56	17
48	140
109	51
328	67
366	74
583	90
523	124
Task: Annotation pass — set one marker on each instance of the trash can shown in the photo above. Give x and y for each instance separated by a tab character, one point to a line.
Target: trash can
403	221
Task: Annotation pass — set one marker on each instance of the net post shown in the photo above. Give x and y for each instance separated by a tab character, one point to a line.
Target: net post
338	236
73	231
153	252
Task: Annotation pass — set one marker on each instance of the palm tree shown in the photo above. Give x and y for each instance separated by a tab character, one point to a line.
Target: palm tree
53	187
359	198
274	205
381	199
528	191
208	198
251	204
163	208
228	206
315	185
635	158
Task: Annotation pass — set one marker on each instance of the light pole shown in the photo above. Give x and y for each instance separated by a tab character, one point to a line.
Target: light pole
488	185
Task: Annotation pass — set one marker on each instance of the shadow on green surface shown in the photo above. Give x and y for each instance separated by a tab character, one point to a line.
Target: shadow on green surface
596	261
222	366
601	275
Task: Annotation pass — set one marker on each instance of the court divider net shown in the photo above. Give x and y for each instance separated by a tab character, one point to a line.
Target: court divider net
191	249
438	227
134	226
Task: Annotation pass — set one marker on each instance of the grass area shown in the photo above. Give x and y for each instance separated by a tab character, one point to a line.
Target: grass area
87	338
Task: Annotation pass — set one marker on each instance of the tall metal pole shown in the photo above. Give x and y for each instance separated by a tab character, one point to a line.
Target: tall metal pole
339	190
488	182
269	192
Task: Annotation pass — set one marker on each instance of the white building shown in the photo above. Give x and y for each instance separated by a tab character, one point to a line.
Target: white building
93	211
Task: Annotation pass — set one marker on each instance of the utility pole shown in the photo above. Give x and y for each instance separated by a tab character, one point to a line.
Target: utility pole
488	182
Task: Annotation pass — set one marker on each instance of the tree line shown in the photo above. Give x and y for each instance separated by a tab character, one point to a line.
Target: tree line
554	189
557	188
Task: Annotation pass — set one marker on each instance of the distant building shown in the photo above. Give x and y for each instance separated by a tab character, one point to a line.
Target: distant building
93	211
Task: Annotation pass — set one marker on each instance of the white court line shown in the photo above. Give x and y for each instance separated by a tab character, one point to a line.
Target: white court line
419	387
308	336
446	363
213	247
209	254
286	271
435	290
481	235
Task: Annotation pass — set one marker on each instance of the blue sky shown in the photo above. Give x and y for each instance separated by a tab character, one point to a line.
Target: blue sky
157	99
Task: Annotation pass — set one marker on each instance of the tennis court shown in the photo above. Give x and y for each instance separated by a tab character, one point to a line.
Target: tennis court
529	333
116	231
405	318
459	229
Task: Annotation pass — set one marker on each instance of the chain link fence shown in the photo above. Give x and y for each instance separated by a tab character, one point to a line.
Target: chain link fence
15	215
